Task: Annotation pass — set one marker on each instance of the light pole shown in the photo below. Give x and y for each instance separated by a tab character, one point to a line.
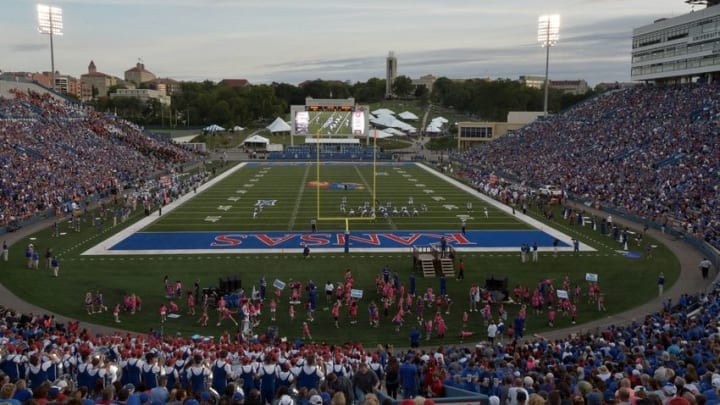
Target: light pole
548	35
50	22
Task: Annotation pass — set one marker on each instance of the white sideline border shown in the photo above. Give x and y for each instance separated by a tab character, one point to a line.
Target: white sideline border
102	248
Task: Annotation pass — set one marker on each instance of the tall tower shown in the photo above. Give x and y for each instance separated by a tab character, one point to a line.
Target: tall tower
390	73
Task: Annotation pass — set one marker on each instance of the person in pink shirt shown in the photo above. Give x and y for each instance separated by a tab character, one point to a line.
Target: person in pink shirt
273	309
116	313
191	303
336	313
306	331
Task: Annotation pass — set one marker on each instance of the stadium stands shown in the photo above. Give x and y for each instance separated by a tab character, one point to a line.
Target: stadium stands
651	152
55	153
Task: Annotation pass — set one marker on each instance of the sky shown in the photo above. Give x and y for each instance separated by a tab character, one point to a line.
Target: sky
295	40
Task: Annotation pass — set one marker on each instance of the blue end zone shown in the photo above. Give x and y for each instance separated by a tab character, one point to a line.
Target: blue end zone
191	242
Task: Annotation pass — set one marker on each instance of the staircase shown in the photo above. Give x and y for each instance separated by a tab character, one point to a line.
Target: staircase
447	268
428	268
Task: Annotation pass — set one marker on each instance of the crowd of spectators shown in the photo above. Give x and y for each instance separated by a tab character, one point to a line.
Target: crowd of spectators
650	151
54	153
668	358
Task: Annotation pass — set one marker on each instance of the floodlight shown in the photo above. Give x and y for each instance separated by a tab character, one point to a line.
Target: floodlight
548	36
50	22
548	29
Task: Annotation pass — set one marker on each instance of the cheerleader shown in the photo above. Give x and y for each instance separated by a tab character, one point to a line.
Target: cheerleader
398	319
273	309
440	325
353	312
204	317
163	313
428	329
225	313
306	331
374	315
336	313
116	313
291	312
191	303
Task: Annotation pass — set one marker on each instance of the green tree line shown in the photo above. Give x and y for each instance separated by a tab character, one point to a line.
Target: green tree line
202	103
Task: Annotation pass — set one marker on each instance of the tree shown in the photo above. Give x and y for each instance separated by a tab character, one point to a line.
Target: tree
402	86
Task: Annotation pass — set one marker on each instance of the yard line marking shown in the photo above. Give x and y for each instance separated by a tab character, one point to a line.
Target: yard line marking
296	208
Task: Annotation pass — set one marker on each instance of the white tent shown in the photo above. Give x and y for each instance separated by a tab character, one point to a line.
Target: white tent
238	128
279	125
213	128
383	111
256	139
441	120
393	131
407	115
388	121
434	127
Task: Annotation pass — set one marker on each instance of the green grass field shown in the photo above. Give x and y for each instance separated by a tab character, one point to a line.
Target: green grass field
625	282
235	197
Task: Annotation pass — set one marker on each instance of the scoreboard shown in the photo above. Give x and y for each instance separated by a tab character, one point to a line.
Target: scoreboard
329	108
333	117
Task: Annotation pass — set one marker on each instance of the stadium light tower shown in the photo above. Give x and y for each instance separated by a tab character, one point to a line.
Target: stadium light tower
50	22
548	35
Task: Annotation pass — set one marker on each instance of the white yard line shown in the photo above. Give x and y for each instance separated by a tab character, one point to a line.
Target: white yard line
296	208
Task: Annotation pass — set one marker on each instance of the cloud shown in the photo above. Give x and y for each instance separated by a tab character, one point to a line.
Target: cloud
28	47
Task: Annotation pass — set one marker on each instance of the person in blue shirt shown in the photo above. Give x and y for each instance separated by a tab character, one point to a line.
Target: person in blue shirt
414	337
409	378
443	284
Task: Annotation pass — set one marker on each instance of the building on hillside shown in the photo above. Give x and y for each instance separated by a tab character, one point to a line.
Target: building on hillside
470	134
166	85
64	84
95	84
680	49
144	95
234	82
426	81
535	82
576	87
390	73
138	75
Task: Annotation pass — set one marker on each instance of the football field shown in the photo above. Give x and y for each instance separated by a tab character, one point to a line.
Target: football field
272	207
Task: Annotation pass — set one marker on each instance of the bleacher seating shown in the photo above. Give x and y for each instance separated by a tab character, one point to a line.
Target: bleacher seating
655	154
